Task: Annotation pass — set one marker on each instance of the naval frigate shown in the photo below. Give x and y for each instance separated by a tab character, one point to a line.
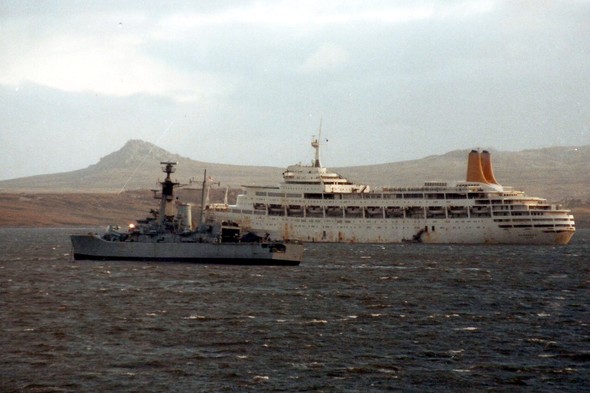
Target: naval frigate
168	235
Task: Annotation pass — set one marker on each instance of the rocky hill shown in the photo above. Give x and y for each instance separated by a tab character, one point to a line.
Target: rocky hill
557	173
137	166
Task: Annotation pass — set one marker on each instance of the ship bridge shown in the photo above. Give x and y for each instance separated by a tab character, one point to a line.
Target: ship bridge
317	179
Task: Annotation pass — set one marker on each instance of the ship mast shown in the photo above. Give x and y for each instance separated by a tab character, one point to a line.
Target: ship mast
167	196
315	143
204	199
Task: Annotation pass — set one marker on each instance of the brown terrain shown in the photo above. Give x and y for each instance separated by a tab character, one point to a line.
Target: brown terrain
87	209
116	190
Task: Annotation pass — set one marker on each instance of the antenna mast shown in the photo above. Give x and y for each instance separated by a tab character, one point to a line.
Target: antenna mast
204	199
316	145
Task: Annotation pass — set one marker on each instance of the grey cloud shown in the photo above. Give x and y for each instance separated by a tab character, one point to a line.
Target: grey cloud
509	78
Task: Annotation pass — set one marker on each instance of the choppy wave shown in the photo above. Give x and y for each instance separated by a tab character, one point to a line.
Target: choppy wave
410	318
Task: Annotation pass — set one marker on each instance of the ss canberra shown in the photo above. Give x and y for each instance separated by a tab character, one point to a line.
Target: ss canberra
314	204
168	235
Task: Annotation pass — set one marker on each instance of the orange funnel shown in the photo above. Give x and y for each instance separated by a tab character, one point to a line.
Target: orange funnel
474	169
486	164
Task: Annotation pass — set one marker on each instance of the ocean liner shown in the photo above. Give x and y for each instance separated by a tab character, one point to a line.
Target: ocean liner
313	204
168	235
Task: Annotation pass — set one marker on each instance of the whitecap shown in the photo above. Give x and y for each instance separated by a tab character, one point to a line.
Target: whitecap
319	321
196	316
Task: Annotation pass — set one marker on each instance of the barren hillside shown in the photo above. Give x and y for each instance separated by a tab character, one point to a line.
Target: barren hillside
557	173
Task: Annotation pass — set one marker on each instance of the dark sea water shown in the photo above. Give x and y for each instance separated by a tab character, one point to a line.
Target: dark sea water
350	318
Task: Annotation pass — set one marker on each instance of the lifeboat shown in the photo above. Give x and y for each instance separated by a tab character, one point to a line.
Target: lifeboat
314	211
457	210
334	211
393	211
435	211
295	210
353	211
276	210
415	212
374	211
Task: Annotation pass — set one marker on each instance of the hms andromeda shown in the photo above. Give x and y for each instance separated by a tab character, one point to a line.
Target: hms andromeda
168	235
313	204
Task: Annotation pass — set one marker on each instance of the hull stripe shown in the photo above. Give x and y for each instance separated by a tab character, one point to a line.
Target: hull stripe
211	261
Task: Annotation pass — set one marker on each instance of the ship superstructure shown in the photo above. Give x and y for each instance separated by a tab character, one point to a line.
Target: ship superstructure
314	204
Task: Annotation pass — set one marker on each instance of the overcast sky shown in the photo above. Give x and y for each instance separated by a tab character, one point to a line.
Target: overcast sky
247	82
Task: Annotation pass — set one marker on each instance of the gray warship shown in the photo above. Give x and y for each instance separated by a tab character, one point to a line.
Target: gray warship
167	235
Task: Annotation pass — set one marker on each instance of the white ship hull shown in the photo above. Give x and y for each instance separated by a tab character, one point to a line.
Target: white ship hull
93	247
436	231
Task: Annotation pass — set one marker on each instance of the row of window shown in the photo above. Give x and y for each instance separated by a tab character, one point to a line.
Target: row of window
481	198
388	212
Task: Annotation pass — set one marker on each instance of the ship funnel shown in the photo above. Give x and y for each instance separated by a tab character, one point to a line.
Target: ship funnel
486	164
184	217
474	168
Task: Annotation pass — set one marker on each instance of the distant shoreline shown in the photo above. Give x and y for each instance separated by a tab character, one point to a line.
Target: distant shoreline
85	210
